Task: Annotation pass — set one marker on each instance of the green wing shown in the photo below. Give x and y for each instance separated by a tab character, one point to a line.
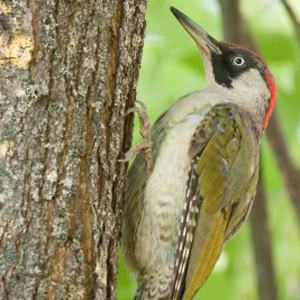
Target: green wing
224	153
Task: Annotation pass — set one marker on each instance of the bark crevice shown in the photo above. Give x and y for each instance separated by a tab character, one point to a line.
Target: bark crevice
62	112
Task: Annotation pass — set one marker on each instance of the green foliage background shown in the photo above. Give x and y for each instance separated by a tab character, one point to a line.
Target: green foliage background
171	67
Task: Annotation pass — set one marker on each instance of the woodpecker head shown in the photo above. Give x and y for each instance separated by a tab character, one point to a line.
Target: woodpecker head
237	73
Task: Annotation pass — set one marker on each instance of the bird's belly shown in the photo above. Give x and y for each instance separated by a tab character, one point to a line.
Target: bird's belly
164	196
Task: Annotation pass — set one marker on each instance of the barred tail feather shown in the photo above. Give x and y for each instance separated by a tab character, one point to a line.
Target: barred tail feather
155	285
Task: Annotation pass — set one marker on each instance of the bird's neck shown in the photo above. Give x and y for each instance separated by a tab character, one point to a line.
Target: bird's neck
249	93
251	96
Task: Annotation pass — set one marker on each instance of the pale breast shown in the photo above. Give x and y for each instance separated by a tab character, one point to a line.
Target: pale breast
164	195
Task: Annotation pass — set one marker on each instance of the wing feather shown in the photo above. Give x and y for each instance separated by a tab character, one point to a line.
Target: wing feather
222	154
187	229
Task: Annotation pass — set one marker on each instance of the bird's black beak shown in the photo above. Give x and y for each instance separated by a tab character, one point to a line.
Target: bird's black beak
205	42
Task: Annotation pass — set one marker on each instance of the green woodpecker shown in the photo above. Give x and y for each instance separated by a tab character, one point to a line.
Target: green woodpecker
205	171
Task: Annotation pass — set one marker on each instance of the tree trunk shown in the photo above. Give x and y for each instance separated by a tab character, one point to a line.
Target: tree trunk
68	73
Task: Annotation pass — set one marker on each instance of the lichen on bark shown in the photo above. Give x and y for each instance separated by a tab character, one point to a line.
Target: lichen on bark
68	74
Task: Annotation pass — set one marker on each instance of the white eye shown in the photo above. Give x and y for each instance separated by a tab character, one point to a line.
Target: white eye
238	61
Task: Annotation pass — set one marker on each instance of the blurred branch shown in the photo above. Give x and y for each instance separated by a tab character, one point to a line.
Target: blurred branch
262	245
294	19
236	31
290	173
234	26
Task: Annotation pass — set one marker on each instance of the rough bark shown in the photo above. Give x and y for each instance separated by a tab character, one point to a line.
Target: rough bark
68	73
235	30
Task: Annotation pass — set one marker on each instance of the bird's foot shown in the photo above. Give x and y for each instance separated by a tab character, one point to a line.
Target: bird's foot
145	144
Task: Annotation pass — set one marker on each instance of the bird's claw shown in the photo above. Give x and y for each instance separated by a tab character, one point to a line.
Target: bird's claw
145	144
